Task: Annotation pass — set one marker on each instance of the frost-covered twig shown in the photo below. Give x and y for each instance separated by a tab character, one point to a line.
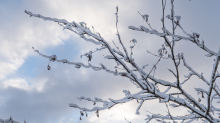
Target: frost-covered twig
215	67
197	74
119	37
108	104
167	117
81	31
146	82
78	65
145	17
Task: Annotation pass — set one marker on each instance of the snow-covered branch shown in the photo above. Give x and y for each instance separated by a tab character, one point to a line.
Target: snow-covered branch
108	104
148	84
168	117
215	67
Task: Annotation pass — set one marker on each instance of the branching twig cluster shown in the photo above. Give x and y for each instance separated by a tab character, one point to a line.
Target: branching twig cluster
147	82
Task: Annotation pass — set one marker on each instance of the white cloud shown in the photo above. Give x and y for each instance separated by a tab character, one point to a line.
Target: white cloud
22	84
9	67
20	34
16	83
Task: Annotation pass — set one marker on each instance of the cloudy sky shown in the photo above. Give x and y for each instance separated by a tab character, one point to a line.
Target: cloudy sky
29	91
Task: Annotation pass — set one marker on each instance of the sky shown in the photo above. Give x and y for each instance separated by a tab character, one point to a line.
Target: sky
29	91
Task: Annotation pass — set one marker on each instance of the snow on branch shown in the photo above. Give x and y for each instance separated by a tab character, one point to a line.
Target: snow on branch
162	82
168	117
112	102
215	67
79	29
119	37
200	76
82	30
134	28
188	77
147	82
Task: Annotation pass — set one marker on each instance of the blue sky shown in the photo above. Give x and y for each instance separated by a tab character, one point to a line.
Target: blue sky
29	91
